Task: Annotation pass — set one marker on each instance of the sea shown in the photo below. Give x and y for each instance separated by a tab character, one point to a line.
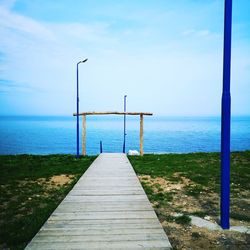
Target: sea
57	134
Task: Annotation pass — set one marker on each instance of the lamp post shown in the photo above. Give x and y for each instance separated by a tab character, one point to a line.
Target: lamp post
124	125
225	119
77	108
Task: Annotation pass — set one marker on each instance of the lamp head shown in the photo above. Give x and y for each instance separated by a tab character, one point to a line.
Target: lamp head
83	61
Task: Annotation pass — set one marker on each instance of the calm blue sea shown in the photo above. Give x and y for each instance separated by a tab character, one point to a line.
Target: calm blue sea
57	135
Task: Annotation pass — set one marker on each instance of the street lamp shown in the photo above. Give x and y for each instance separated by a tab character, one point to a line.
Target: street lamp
225	119
124	125
77	108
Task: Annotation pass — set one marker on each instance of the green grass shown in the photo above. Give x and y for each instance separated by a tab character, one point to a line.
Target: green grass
26	201
183	220
194	190
160	197
241	217
201	168
203	172
196	235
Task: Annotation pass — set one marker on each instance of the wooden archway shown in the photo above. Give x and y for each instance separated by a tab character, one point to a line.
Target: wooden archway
84	114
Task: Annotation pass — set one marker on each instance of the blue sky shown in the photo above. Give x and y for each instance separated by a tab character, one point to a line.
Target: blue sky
165	55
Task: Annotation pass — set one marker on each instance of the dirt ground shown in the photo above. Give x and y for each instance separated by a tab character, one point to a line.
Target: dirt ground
51	182
204	205
56	180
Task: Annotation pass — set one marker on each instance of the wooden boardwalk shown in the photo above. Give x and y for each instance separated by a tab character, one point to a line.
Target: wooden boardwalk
106	209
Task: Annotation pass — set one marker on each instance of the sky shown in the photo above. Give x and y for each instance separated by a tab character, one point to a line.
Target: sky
165	55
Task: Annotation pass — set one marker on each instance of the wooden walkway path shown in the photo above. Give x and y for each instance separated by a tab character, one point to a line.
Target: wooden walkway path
106	209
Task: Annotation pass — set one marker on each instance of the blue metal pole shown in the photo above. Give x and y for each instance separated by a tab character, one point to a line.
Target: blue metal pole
77	108
225	119
124	126
100	147
77	114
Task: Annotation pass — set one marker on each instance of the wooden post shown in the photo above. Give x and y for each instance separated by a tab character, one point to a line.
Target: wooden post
141	134
84	135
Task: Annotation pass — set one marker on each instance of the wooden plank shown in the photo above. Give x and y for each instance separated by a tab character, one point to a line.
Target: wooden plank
107	209
107	188
141	134
102	231
94	192
105	198
112	113
103	215
95	238
84	135
95	203
95	208
71	225
129	222
131	245
109	182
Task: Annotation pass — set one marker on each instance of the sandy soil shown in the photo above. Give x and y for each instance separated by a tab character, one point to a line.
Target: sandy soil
207	205
56	181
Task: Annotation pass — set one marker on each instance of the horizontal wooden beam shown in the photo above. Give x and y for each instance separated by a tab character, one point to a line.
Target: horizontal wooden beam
114	113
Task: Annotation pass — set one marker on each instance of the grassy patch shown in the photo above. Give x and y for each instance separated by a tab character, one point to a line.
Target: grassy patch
190	184
183	220
201	168
194	190
31	188
198	177
156	195
241	217
195	235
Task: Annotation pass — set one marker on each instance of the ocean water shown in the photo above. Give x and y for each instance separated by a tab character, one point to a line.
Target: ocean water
57	135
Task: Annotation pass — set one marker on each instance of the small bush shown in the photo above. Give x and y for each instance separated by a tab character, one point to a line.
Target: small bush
183	220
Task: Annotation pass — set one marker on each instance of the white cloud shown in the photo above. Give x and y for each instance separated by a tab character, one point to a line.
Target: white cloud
188	32
21	24
7	4
203	33
162	68
199	33
43	54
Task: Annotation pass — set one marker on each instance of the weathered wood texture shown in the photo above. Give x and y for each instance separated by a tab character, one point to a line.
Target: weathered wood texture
141	135
84	135
113	113
106	209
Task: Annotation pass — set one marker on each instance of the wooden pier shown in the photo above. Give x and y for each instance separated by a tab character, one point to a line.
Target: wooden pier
106	209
